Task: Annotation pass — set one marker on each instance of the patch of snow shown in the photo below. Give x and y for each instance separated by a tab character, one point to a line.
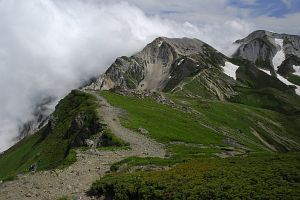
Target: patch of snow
170	76
285	81
297	70
279	56
278	59
266	71
160	43
198	65
230	69
179	63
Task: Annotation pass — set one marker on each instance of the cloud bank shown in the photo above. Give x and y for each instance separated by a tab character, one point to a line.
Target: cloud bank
48	47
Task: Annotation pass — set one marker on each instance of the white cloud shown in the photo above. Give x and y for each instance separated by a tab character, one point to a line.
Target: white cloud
48	47
248	2
287	24
288	3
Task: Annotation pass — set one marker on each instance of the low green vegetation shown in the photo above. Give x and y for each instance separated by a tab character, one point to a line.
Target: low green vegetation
263	176
109	140
191	152
196	172
268	98
53	145
294	79
130	162
164	123
238	121
196	86
178	154
207	122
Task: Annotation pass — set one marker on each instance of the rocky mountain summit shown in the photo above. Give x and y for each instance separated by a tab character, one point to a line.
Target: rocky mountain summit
277	53
177	104
151	68
163	64
179	64
191	67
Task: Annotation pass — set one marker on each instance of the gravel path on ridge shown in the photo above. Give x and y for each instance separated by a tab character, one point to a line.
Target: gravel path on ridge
76	179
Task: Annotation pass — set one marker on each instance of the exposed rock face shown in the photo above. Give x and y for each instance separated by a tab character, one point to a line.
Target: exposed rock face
162	65
260	47
41	115
81	130
286	68
193	68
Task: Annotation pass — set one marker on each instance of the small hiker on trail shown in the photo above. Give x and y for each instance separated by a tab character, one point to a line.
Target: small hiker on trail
33	167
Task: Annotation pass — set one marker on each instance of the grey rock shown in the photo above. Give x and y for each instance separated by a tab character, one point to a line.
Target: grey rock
29	194
143	131
163	64
259	47
89	143
150	68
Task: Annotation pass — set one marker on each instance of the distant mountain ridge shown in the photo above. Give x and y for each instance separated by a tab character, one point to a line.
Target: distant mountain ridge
191	67
163	64
177	100
166	63
276	54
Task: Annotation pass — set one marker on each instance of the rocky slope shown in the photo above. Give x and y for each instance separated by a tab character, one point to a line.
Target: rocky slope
275	54
260	47
76	179
193	68
178	78
263	72
165	63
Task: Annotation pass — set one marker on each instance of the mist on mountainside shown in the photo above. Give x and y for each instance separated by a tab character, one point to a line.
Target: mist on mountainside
49	47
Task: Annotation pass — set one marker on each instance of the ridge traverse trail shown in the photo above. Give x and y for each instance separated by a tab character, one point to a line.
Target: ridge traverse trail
76	179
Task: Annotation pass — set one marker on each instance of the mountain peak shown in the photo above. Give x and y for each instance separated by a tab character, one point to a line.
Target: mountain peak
183	46
163	62
268	35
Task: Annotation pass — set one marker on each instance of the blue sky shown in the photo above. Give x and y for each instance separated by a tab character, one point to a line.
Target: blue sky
229	16
272	8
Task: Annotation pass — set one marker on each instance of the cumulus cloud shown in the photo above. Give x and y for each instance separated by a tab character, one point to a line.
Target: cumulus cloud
288	3
49	47
286	24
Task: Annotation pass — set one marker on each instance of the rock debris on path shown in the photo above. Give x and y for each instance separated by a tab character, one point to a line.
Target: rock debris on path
76	179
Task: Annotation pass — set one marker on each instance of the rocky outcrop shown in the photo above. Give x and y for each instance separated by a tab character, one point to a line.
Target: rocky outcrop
40	118
260	47
164	64
160	65
193	68
286	68
81	129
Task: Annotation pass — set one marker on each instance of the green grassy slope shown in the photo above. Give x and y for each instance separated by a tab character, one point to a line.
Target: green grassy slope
294	79
262	174
268	98
208	84
52	145
208	122
254	177
239	120
164	123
